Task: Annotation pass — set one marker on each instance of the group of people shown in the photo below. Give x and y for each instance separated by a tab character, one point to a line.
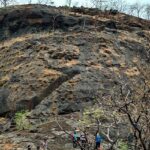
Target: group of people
81	139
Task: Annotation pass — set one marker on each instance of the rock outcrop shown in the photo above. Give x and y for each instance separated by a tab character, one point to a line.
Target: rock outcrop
66	69
34	18
57	61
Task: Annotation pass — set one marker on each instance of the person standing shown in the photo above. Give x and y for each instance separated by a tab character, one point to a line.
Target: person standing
29	147
98	140
76	138
83	140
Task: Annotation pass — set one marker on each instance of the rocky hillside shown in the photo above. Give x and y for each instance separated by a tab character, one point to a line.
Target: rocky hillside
59	60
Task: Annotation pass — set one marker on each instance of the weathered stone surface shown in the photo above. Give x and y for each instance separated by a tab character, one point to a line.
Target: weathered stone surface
111	24
60	72
4	124
4	104
63	71
33	18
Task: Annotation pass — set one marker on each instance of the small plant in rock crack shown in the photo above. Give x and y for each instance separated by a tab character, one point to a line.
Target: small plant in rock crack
21	120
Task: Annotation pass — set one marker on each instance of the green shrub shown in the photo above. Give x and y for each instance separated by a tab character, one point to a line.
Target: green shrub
122	145
21	120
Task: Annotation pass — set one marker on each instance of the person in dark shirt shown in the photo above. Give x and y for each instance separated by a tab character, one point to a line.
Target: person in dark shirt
29	147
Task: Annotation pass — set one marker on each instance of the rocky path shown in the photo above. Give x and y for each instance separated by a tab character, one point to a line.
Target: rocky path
57	139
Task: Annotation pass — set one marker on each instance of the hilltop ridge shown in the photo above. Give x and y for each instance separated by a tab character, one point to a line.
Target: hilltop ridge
34	18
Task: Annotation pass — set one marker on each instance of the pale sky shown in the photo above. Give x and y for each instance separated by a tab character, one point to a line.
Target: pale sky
80	2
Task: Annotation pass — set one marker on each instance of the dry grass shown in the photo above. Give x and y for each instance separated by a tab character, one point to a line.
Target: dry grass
127	36
14	40
3	80
132	72
16	67
22	38
3	120
51	72
123	65
14	86
135	60
115	70
97	66
109	52
71	63
9	147
74	81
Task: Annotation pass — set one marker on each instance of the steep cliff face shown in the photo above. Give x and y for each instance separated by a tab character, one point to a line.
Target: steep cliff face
55	60
67	69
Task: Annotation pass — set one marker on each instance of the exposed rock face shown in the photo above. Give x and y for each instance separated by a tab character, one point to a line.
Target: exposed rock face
61	71
4	93
4	124
20	140
34	18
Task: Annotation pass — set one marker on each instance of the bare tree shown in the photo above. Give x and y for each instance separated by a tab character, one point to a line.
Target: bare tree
133	101
98	3
119	5
147	11
5	3
69	3
136	109
46	2
129	104
30	1
136	9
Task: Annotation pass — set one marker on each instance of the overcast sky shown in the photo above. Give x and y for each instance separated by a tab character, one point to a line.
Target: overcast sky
80	2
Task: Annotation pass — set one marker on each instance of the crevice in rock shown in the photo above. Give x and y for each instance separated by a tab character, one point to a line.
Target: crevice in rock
32	103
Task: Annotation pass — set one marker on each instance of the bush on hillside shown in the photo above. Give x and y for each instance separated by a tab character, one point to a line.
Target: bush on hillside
21	120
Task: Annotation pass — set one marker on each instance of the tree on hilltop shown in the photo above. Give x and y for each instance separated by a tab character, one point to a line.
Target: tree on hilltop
5	3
